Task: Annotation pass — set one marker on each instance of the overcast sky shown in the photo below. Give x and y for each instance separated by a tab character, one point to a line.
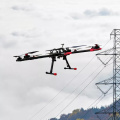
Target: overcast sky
28	25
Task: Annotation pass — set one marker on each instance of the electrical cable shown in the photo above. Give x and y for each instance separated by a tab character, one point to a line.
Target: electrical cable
106	43
69	95
80	92
96	103
93	103
100	99
73	91
61	89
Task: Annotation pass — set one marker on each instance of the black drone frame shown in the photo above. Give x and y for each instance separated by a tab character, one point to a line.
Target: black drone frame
58	53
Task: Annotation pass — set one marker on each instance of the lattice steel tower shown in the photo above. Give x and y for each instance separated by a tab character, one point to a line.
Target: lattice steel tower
113	111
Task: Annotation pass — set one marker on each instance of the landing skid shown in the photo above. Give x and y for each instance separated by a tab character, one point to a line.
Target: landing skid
68	65
52	64
51	70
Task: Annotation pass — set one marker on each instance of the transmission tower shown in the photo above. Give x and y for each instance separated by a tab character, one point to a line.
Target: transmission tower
112	112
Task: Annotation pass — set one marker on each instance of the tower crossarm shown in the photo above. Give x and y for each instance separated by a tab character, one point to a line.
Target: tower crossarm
106	82
106	52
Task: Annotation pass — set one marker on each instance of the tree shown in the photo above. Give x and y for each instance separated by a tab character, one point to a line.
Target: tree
79	119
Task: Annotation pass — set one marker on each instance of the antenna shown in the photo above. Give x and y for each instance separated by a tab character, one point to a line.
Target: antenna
62	45
113	112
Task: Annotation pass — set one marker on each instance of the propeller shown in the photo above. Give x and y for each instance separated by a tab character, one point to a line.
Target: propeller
26	53
76	46
55	49
16	56
32	52
88	46
93	46
50	50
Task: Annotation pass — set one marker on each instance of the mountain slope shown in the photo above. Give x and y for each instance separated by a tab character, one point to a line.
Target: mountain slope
81	114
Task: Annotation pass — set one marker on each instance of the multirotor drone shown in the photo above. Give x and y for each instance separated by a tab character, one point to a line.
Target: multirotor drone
61	52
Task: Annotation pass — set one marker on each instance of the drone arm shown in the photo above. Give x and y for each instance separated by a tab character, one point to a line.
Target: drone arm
35	57
88	50
80	51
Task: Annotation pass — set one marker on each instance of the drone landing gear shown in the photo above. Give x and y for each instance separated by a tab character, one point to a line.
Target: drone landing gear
68	65
53	60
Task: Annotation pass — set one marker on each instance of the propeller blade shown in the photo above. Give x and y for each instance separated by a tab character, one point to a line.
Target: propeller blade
55	49
16	56
77	46
26	53
88	46
52	49
32	52
94	45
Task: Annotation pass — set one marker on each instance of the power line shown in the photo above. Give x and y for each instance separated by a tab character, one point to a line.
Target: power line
61	90
72	91
80	92
92	104
96	103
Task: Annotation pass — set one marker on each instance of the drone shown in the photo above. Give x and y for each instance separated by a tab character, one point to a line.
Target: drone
61	52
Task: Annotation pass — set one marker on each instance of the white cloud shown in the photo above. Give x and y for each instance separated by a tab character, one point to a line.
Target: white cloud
101	12
21	8
41	25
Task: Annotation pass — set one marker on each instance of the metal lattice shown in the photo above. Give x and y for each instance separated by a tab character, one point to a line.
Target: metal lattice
113	111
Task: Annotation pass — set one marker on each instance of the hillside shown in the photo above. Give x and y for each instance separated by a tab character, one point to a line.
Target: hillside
81	114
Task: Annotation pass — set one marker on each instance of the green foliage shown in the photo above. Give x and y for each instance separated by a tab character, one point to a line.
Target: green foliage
81	114
74	112
79	119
